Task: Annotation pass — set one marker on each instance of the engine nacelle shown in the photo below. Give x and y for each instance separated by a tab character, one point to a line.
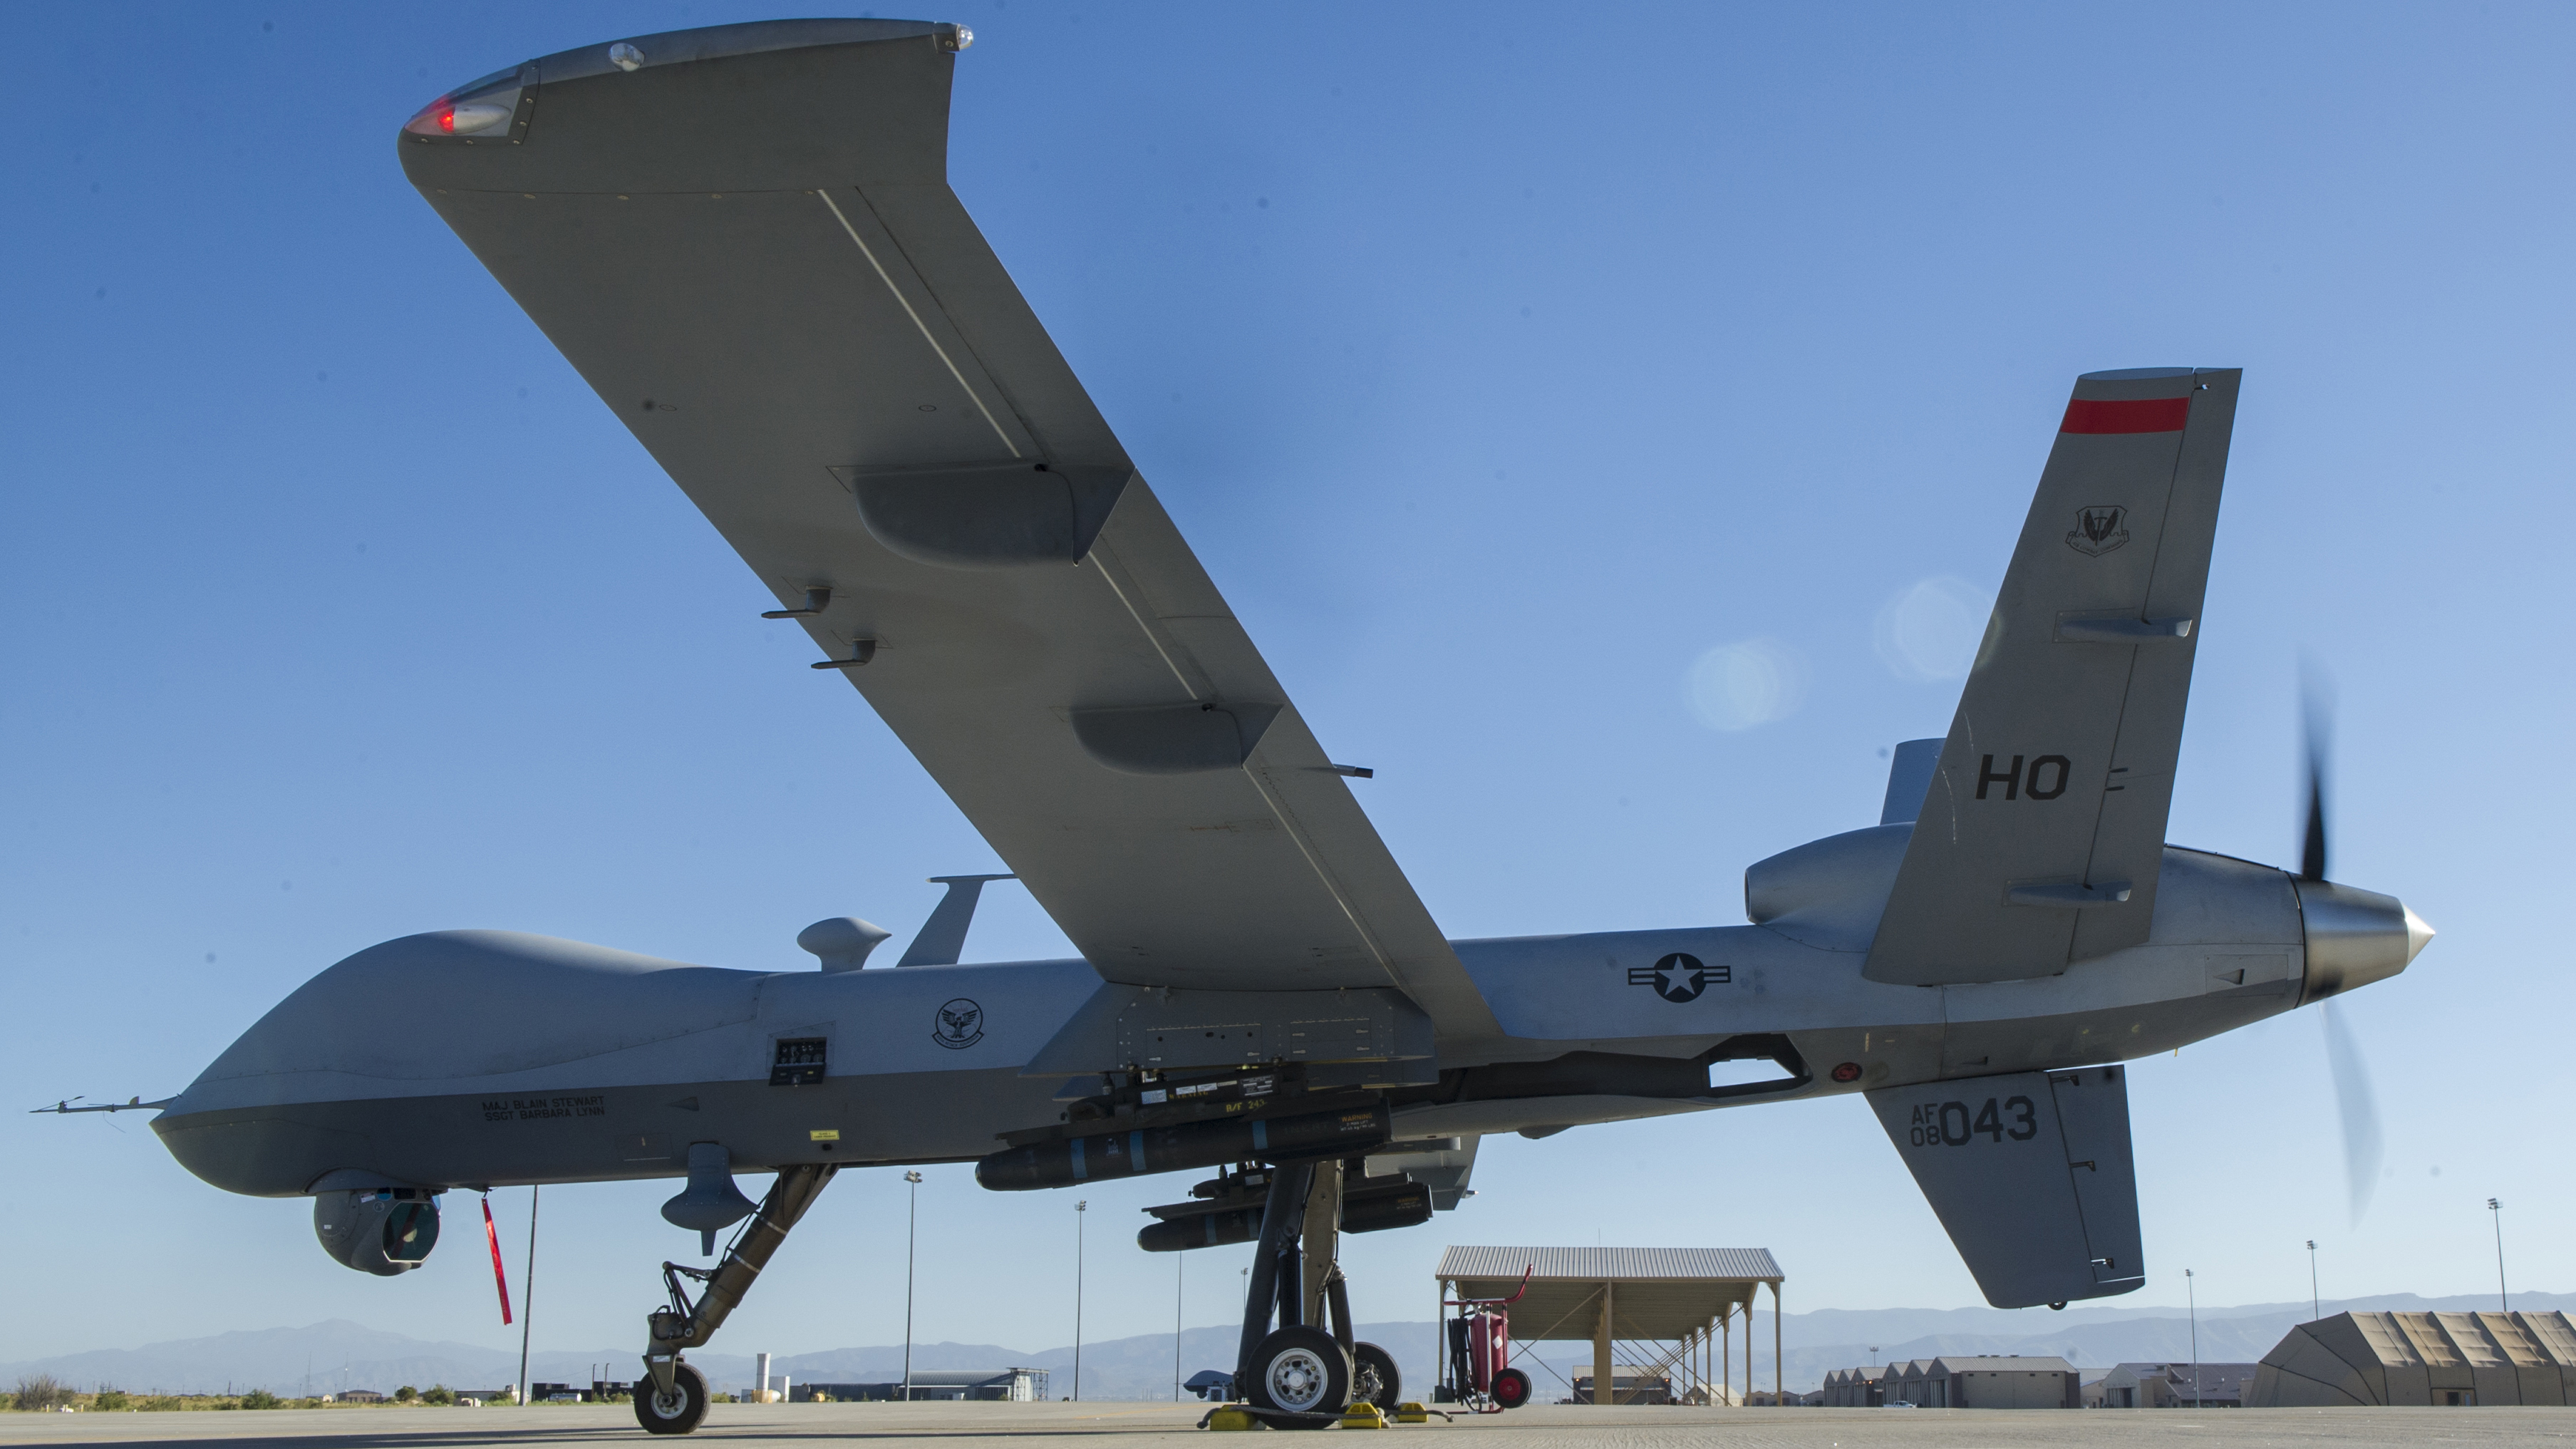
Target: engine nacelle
385	1231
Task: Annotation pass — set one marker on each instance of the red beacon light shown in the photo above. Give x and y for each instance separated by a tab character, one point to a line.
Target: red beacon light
444	117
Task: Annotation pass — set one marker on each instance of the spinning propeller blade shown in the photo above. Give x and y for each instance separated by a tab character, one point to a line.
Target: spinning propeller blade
2359	1109
2354	1102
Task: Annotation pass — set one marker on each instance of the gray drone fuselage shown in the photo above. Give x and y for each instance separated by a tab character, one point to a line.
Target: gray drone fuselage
518	1058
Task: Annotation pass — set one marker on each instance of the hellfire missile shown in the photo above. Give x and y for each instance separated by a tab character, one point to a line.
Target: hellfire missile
1187	1144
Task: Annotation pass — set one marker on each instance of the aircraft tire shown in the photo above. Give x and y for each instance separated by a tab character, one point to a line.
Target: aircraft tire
1374	1377
1301	1370
681	1412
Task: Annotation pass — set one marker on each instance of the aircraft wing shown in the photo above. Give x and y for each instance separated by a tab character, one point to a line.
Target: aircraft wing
744	239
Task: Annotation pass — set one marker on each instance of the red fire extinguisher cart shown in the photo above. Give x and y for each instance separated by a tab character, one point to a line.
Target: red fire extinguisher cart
1480	1373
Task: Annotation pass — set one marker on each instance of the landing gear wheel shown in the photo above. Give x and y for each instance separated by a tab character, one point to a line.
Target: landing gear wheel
1511	1389
1374	1377
677	1412
1301	1370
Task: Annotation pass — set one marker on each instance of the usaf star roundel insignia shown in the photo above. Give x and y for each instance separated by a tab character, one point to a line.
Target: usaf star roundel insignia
2099	529
958	1025
1679	977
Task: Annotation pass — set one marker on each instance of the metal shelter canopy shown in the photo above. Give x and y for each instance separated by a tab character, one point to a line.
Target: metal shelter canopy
1685	1296
1662	1293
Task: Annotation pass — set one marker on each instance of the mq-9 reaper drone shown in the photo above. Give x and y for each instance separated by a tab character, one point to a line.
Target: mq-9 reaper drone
743	237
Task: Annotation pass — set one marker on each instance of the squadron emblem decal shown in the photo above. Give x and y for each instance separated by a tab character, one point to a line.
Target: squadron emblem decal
1680	977
959	1024
2099	529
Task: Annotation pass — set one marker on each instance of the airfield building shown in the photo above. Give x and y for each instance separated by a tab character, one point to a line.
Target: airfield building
1857	1388
2446	1360
1970	1382
2174	1386
1014	1385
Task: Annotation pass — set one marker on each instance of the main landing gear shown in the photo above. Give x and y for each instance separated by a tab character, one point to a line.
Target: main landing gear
1298	1375
671	1398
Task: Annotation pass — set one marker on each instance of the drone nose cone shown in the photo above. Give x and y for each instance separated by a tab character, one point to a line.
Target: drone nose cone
2354	937
2418	935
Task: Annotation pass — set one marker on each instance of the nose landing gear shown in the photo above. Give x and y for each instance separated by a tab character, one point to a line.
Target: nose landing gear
671	1398
675	1412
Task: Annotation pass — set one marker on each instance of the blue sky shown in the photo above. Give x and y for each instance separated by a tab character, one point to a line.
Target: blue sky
1503	363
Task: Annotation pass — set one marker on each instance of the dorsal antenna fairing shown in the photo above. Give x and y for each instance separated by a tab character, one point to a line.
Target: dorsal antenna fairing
843	942
943	936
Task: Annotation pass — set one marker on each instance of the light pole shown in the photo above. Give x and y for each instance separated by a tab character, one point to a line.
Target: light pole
911	1233
2193	1301
2314	1312
1080	1209
1178	1259
2496	1210
528	1295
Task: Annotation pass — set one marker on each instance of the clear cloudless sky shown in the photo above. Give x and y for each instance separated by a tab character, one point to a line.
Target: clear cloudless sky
1570	401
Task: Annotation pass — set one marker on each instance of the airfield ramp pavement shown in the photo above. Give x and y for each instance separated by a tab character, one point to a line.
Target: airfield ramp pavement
1162	1426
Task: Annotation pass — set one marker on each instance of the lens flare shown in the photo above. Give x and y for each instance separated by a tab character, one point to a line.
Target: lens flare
1931	630
1738	686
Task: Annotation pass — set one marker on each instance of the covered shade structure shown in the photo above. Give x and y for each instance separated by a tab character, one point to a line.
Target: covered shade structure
2449	1360
1684	1297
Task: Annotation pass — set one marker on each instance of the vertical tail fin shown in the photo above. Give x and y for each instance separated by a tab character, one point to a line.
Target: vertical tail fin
2043	829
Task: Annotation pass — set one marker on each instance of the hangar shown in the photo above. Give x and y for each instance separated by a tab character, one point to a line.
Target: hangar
2453	1360
1958	1382
1662	1313
1013	1385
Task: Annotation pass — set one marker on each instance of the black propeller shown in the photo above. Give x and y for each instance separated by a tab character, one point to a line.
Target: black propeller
2354	1101
2312	852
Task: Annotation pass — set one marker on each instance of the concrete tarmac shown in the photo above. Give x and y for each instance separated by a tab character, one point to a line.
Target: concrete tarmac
1165	1426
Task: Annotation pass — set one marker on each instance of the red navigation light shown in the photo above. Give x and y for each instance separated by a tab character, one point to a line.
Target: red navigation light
444	117
1847	1072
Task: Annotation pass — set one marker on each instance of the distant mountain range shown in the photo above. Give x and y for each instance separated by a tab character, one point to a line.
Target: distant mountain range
337	1354
2091	1338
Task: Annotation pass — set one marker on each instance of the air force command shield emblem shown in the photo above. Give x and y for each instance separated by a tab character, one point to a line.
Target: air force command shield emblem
2099	529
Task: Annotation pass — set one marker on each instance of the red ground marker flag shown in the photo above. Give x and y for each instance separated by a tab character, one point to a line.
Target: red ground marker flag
500	1280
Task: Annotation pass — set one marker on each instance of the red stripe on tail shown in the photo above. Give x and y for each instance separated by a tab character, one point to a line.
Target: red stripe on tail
2143	415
